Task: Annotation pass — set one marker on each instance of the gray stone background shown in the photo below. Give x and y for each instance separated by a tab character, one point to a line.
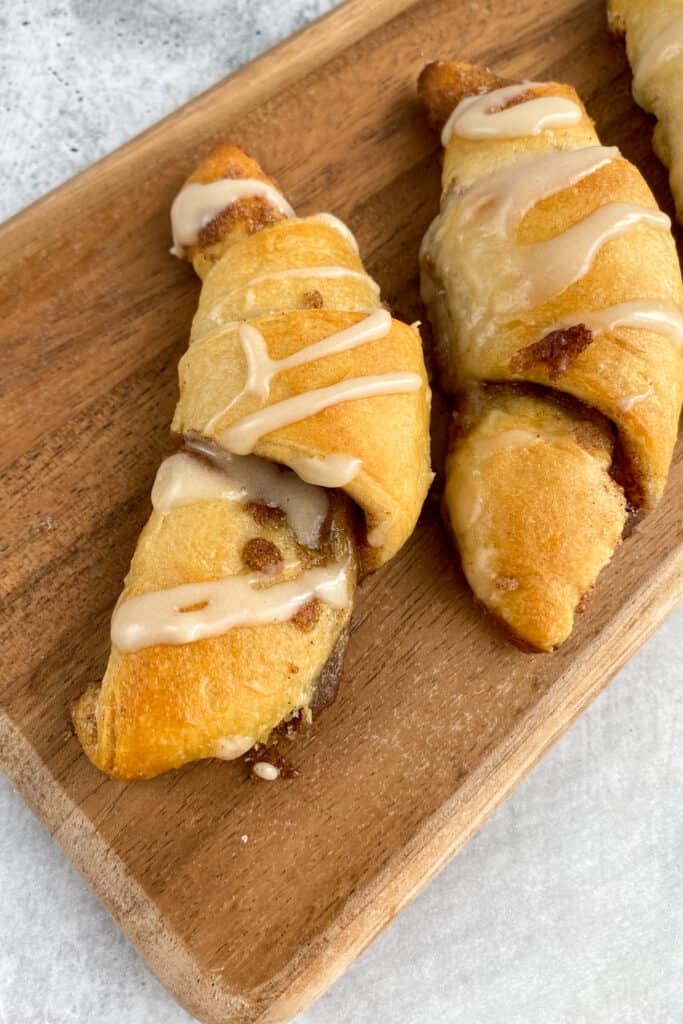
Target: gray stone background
567	908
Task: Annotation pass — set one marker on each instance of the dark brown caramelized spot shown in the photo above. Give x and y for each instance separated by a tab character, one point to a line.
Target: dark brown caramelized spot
513	101
557	351
443	83
307	616
261	555
265	515
196	607
250	215
313	299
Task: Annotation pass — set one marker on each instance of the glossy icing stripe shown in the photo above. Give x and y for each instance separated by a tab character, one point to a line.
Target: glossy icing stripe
184	479
334	470
338	225
261	368
646	314
197	204
481	117
219	606
551	267
243	435
322	272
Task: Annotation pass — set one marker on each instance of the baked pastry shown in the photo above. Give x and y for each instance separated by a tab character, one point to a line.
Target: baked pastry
553	285
303	415
653	30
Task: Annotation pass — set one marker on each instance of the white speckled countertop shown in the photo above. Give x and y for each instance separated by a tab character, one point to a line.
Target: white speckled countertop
568	907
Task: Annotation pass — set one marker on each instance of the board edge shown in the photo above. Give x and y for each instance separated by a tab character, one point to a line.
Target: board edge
438	839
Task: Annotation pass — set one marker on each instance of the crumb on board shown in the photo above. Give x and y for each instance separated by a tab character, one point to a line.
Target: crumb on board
266	771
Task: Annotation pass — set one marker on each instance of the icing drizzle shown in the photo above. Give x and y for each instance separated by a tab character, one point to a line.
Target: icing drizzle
197	204
481	117
331	271
483	223
196	611
243	435
261	368
648	314
183	479
334	470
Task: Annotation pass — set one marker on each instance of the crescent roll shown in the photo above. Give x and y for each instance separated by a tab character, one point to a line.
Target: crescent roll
304	462
553	285
653	30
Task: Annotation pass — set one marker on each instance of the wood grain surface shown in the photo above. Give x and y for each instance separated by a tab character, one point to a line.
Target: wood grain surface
438	718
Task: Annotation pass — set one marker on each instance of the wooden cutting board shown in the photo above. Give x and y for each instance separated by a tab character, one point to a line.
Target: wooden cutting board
438	717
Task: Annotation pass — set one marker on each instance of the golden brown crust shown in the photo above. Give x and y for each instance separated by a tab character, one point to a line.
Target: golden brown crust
162	706
641	263
554	509
245	282
239	219
443	83
657	84
389	434
555	351
165	705
533	507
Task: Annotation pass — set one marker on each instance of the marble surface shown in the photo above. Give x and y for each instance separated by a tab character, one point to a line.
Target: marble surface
567	908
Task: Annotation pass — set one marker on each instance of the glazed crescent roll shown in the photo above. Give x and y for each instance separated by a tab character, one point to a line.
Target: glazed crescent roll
304	462
654	43
553	285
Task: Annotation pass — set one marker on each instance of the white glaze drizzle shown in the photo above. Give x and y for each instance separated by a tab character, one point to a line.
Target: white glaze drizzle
197	204
322	272
261	368
227	748
158	618
627	404
334	470
183	479
338	225
242	478
477	117
666	45
551	267
503	199
646	314
243	435
484	221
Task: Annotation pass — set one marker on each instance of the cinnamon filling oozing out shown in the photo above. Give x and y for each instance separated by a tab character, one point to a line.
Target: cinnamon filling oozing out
255	213
307	617
557	351
313	299
261	555
265	515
